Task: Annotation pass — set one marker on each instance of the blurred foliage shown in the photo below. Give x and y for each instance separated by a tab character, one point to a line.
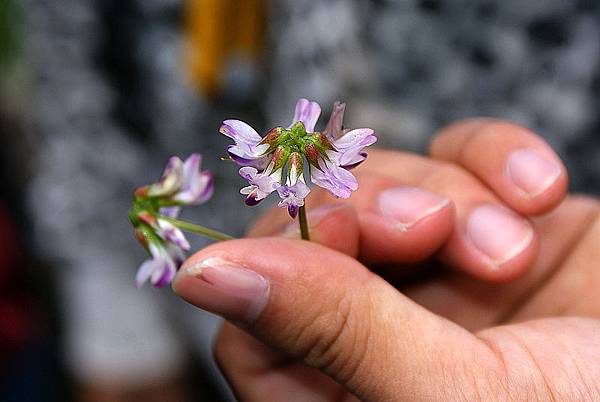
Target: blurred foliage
10	32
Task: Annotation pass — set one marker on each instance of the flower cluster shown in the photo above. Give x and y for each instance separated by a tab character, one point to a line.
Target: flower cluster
181	184
276	162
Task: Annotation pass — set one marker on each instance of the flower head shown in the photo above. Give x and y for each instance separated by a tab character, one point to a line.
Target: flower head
276	162
181	184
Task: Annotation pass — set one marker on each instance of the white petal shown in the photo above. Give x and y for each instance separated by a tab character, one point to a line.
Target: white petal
355	137
146	270
240	131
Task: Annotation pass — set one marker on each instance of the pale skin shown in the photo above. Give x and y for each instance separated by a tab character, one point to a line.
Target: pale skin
367	311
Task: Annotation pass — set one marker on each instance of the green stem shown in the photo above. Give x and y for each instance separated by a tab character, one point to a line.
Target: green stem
303	223
198	229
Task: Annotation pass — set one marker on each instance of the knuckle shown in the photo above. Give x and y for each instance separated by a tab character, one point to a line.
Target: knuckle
338	339
448	176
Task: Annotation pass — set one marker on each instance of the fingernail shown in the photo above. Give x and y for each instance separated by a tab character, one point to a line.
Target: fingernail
314	217
531	172
405	206
224	288
498	233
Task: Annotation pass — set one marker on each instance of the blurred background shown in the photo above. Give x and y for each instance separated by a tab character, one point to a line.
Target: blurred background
95	95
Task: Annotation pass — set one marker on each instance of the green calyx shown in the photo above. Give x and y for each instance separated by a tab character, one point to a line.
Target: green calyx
140	215
283	143
143	202
146	235
143	215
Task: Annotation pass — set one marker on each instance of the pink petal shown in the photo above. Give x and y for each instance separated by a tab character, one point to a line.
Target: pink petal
240	132
308	113
334	128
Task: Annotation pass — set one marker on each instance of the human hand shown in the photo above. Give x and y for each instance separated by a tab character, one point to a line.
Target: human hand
428	332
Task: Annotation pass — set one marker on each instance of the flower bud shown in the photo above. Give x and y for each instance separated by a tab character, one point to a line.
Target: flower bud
312	154
295	164
147	218
139	235
272	138
325	143
141	192
280	157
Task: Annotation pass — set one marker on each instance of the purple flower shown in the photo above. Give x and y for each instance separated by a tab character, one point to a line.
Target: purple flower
172	234
337	180
182	183
166	231
292	197
261	184
170	181
247	150
349	144
349	147
308	113
279	157
161	268
197	186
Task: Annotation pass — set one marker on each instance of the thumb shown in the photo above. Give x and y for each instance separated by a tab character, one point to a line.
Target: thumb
329	310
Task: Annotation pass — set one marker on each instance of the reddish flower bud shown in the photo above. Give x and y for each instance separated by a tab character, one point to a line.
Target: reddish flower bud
141	192
147	218
295	163
139	235
280	157
325	143
272	137
312	153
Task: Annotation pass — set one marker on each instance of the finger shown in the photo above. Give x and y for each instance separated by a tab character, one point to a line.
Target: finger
405	216
327	309
406	224
399	222
488	240
513	161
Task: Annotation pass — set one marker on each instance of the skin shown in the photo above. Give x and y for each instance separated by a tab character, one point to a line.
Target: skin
368	312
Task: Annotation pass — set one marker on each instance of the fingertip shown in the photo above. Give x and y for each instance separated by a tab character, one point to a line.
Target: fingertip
495	244
517	164
407	225
536	179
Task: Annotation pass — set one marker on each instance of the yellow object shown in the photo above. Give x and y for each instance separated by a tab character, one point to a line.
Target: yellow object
217	31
